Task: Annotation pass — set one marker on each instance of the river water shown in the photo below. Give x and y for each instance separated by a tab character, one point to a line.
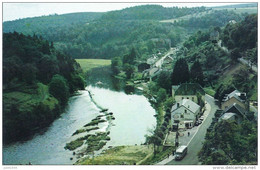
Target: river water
133	117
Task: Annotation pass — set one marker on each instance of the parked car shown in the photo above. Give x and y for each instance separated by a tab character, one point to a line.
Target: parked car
201	118
198	122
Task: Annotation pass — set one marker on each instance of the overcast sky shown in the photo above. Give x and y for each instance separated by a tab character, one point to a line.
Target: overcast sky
12	11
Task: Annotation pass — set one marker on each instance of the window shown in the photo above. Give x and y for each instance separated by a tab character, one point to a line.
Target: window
187	97
185	111
182	116
182	98
192	98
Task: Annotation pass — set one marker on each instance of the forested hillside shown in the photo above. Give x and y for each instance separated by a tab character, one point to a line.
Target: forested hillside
150	12
37	83
212	18
47	25
115	33
238	39
241	38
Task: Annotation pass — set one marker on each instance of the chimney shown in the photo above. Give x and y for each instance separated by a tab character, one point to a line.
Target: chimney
243	96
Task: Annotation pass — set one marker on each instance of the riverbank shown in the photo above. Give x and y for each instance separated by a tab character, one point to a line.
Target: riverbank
120	155
108	152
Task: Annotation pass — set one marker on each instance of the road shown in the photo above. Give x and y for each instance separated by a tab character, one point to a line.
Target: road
195	144
160	61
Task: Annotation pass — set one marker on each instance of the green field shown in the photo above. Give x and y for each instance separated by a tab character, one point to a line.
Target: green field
88	64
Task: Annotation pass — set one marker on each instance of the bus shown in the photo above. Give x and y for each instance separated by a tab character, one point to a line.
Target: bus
181	152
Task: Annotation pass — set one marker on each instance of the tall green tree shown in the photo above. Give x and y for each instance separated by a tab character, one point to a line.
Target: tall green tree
130	58
181	72
129	70
116	64
196	73
164	80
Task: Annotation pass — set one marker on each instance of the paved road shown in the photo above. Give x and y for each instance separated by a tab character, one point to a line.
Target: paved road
195	144
160	61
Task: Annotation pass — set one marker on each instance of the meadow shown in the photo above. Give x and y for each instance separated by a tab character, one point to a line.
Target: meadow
88	64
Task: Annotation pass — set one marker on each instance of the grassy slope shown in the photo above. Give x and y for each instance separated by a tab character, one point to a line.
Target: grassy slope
27	100
88	64
120	155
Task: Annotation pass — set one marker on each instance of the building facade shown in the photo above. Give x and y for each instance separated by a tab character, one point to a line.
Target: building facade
185	113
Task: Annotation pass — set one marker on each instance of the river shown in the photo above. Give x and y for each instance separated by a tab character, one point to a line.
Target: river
133	117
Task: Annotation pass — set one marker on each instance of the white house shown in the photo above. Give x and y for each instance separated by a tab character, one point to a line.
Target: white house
185	113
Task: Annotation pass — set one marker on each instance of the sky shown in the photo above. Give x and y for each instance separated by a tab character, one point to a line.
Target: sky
13	11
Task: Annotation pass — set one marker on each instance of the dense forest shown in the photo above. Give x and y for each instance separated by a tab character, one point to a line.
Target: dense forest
115	33
37	83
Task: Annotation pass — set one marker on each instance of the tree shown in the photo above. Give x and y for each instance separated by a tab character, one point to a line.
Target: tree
130	58
180	72
129	70
196	74
156	139
153	87
29	73
59	89
164	80
168	104
45	47
161	95
241	80
47	67
230	143
77	82
235	54
116	63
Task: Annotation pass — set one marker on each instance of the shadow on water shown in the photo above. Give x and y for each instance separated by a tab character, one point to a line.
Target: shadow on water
102	77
